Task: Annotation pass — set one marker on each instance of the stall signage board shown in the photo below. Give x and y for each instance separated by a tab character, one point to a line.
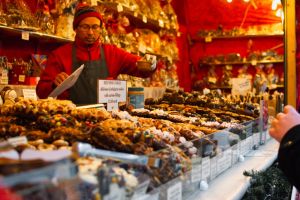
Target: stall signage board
240	86
112	92
29	94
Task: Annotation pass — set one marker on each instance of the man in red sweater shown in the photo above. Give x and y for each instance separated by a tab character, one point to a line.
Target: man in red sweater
102	61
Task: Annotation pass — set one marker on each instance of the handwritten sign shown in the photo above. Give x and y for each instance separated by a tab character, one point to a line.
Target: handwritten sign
240	86
205	168
29	94
112	92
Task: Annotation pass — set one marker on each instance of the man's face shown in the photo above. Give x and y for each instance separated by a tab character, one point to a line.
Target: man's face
88	30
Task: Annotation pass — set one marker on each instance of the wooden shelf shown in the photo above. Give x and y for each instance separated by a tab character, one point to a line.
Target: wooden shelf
138	19
244	62
17	32
229	87
210	38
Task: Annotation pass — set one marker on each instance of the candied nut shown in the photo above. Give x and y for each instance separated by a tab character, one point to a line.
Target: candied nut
60	143
36	142
46	147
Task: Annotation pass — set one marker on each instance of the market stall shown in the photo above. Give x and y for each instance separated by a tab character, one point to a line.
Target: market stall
202	117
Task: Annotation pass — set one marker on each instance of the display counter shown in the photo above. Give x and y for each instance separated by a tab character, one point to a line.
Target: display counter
233	184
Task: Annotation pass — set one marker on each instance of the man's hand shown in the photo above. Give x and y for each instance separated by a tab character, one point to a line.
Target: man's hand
60	78
284	122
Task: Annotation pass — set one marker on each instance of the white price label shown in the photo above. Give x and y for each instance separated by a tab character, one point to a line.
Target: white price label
243	147
250	142
142	48
253	62
175	192
213	168
228	155
235	153
21	78
25	35
119	8
205	168
15	141
256	139
145	20
221	163
240	86
4	80
208	39
161	23
196	170
94	2
29	94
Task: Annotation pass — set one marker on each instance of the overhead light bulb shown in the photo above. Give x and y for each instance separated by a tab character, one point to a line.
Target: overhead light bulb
246	0
278	2
229	1
274	5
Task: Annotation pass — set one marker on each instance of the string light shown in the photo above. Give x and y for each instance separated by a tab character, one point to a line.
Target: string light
229	1
246	0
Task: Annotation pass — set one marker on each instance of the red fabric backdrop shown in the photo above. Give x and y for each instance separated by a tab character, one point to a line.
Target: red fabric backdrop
197	15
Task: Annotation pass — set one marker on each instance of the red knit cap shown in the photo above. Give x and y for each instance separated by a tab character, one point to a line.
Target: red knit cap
84	11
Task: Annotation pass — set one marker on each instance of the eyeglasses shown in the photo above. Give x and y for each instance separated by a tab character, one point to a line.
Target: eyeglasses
86	27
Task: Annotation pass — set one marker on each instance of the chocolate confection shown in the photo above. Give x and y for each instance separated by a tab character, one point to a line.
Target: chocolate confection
111	139
68	134
8	130
46	122
93	114
35	135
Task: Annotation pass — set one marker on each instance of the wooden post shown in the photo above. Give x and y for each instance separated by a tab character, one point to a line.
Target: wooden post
290	75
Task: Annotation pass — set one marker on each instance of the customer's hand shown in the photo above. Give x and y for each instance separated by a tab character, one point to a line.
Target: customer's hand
60	78
283	122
